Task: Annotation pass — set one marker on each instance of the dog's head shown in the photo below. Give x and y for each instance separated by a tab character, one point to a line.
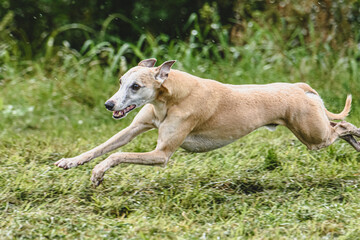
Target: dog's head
138	86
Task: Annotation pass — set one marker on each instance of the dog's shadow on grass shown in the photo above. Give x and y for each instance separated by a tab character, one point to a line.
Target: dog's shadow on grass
236	185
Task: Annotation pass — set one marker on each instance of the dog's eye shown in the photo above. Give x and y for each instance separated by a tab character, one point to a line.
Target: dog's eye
135	87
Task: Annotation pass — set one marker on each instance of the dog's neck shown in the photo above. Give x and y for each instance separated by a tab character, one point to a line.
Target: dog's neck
176	87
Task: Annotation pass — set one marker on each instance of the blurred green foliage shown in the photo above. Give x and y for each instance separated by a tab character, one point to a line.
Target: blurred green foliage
31	23
61	60
34	20
325	21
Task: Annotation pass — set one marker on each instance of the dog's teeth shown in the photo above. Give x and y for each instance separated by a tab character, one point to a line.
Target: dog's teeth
122	113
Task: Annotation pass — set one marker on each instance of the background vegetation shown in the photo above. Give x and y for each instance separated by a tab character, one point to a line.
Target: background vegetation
59	62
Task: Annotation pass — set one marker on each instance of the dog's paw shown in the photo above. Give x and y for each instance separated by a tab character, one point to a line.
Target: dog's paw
67	163
97	177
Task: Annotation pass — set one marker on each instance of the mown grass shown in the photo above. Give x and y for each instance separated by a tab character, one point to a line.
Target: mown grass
266	185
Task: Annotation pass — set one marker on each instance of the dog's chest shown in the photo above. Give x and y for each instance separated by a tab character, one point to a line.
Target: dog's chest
202	143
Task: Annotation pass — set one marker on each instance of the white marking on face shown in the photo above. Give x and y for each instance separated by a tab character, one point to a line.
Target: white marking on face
132	91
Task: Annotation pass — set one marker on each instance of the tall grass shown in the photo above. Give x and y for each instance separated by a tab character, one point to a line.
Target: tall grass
264	186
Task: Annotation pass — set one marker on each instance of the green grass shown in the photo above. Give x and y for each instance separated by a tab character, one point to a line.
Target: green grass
266	185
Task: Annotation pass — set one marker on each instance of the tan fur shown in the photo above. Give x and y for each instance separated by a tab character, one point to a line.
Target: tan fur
201	114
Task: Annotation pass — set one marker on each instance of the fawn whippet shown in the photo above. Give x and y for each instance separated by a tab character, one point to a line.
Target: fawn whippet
201	115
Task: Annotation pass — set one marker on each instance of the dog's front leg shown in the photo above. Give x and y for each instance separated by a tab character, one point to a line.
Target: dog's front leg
118	140
141	123
149	158
171	136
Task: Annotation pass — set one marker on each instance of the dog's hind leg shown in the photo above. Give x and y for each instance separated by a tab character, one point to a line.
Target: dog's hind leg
322	133
347	131
344	128
352	141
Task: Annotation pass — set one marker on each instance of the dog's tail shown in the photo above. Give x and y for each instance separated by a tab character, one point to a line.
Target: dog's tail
343	114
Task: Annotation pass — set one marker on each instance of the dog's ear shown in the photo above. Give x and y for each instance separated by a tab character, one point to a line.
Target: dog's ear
147	62
162	72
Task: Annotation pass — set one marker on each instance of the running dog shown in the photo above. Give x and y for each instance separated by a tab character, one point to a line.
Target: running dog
200	115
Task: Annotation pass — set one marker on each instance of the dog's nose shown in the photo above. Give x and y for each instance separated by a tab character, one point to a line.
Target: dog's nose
109	105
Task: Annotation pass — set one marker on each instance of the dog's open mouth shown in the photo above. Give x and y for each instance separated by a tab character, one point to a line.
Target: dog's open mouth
122	113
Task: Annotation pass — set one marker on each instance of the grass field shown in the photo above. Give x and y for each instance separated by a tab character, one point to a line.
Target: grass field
266	185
